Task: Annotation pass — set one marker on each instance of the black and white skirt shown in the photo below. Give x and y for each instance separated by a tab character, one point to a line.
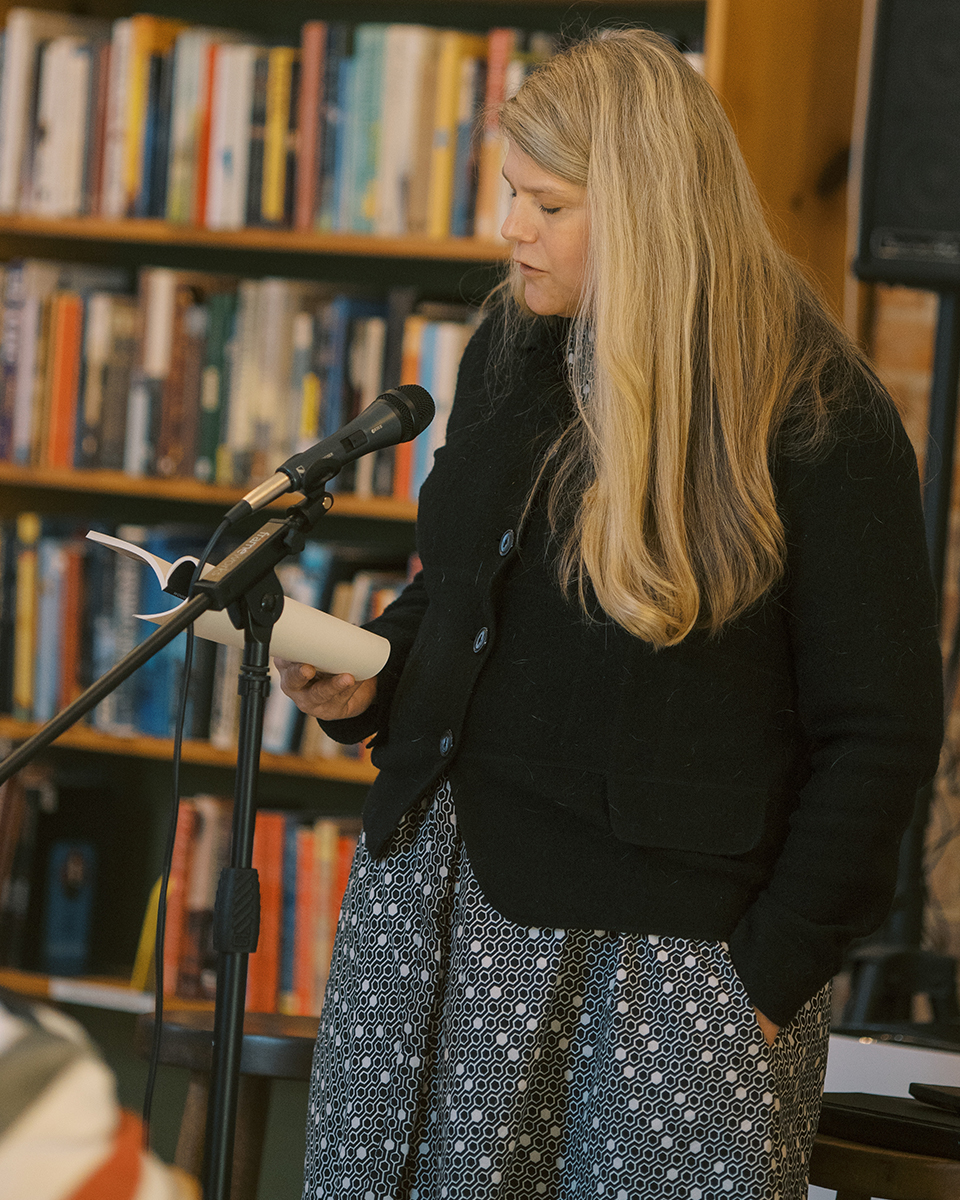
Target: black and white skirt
462	1057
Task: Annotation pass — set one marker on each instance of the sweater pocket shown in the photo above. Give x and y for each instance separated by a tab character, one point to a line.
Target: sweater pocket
669	814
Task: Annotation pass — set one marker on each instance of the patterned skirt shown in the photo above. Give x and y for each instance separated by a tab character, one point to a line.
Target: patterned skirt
463	1057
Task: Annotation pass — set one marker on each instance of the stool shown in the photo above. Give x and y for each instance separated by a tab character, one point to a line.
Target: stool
274	1047
856	1171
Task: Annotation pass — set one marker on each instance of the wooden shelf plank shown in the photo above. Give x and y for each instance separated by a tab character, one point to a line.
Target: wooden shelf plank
188	491
94	992
82	737
290	241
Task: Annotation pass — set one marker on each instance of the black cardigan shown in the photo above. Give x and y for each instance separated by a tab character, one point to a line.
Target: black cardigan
750	787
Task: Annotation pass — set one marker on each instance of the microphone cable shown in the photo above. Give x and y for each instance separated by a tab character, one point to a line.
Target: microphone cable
161	924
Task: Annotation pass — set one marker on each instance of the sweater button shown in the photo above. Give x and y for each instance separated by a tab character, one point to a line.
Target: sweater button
506	543
446	743
480	640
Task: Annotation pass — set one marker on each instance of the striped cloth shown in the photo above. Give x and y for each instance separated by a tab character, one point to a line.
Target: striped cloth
63	1135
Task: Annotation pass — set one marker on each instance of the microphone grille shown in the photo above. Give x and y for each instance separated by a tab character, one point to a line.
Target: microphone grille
418	405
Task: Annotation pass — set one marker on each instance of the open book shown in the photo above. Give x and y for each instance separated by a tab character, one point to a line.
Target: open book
302	634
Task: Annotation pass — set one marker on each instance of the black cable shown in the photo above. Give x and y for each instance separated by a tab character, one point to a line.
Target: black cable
154	1060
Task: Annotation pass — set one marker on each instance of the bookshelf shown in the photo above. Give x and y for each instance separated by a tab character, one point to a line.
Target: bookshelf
786	75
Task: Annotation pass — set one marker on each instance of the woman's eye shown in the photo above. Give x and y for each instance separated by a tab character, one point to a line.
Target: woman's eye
549	211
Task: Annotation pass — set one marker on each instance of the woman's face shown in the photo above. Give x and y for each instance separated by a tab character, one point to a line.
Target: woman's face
547	224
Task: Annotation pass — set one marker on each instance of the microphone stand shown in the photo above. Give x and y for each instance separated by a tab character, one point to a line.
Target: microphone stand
245	585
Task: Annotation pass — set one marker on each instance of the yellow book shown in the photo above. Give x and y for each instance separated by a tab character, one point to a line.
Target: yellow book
454	48
150	36
143	974
25	615
279	81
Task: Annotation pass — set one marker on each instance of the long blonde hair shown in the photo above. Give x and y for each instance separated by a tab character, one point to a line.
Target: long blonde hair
694	335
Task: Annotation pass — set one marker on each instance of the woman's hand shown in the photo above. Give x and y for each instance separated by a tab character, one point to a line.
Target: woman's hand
328	697
767	1027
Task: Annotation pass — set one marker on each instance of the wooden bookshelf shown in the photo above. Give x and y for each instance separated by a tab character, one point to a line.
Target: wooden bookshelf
283	241
82	737
24	480
91	992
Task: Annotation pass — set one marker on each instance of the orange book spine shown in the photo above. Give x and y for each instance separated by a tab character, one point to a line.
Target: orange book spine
203	139
176	896
409	373
312	54
263	975
65	378
71	621
346	848
306	916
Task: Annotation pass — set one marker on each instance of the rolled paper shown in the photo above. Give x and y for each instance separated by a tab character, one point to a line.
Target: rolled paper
302	634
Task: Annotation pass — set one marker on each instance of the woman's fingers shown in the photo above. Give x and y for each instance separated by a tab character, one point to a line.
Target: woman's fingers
328	697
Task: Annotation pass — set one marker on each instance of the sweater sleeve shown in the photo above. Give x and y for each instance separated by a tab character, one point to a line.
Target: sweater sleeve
400	621
859	604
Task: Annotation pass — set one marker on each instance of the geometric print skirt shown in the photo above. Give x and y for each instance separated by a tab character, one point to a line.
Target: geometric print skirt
463	1057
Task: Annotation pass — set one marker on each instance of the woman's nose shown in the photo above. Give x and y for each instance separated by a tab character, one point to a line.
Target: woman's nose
515	228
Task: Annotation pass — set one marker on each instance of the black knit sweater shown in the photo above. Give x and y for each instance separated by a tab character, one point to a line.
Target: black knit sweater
750	787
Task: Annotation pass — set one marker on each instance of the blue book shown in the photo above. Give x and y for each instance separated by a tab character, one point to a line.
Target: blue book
368	92
422	456
345	142
51	569
68	913
472	87
331	114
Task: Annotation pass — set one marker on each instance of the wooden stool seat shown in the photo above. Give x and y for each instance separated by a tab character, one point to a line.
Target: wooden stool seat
856	1171
274	1047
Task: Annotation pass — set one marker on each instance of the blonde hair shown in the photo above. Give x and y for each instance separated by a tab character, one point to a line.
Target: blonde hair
695	333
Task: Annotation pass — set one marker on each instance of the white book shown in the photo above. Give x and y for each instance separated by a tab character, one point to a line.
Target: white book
404	56
230	137
25	30
190	65
113	191
60	142
159	290
366	372
452	338
244	381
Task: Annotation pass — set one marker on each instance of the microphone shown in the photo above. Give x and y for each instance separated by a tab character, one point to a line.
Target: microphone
397	415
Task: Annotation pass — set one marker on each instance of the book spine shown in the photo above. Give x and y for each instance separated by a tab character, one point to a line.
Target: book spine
25	620
183	841
264	964
312	53
65	378
279	77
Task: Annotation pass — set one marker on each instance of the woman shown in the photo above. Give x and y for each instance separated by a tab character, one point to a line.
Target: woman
656	708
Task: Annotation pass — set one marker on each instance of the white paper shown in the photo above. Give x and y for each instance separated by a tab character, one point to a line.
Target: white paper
302	634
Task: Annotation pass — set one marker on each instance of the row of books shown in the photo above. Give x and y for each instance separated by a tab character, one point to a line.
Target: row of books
302	861
376	127
69	864
68	610
211	377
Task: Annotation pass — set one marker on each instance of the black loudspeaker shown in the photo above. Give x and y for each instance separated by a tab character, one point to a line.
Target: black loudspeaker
910	197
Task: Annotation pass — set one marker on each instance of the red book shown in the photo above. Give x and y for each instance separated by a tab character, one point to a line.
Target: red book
176	895
263	971
312	54
305	919
67	322
203	139
71	623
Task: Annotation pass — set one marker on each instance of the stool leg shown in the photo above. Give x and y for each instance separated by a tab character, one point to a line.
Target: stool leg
253	1102
189	1154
